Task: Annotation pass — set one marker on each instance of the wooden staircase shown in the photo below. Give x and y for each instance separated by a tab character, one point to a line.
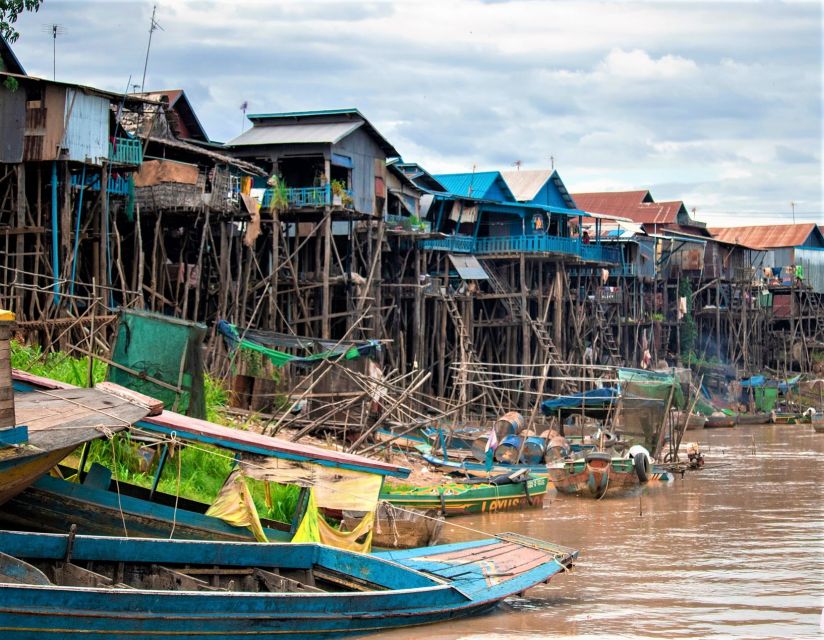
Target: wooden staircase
518	313
612	352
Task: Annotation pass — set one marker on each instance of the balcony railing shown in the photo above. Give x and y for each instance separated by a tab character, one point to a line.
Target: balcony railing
126	151
117	185
454	244
525	244
309	197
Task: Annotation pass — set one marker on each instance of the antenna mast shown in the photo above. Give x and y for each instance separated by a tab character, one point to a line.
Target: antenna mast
152	28
55	30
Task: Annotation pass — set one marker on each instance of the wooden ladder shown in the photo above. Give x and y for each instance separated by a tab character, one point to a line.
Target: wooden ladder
607	337
518	314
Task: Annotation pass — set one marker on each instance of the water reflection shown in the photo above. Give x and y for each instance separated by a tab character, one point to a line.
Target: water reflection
735	550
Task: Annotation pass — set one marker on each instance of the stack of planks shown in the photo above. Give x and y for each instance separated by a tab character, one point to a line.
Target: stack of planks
6	392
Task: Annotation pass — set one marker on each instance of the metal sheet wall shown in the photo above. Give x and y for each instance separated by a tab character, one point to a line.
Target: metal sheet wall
12	123
87	133
812	259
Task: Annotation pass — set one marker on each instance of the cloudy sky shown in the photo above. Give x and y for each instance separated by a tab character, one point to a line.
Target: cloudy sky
717	104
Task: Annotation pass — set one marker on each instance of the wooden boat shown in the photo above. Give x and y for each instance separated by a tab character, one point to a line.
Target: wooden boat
695	422
720	422
479	469
406	441
753	418
787	418
598	474
406	528
817	421
456	498
62	586
99	505
54	422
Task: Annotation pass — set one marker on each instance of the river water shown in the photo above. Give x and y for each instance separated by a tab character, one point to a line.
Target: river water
735	550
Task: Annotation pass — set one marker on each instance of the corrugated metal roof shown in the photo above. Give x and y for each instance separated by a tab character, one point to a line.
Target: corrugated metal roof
468	267
473	185
328	133
325	116
635	205
766	236
525	185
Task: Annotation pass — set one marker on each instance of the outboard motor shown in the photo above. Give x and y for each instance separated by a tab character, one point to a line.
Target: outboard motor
695	458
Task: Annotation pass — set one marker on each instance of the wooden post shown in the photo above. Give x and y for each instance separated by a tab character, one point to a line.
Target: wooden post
20	262
7	418
326	302
525	331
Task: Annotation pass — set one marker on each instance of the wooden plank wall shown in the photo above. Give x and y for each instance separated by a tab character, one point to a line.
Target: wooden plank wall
6	393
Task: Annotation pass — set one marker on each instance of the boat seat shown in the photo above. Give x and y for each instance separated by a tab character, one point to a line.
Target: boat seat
98	477
280	584
72	575
170	580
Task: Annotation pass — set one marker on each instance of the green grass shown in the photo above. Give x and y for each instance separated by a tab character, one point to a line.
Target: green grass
55	365
203	469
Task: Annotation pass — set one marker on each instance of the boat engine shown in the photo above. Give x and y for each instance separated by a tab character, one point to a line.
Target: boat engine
695	458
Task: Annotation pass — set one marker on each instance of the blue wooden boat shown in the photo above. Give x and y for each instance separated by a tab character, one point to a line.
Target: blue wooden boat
51	423
479	469
99	505
67	587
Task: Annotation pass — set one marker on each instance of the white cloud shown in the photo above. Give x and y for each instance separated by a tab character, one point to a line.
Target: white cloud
718	104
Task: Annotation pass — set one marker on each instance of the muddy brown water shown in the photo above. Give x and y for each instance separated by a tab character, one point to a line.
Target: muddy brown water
733	551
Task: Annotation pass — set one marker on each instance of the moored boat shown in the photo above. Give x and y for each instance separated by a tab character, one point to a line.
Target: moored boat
500	494
720	422
64	586
598	473
100	504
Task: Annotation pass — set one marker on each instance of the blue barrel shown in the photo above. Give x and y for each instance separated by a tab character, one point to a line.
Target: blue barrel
508	450
534	449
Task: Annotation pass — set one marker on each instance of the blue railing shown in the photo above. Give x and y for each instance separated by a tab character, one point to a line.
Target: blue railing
525	244
117	185
455	244
308	197
126	151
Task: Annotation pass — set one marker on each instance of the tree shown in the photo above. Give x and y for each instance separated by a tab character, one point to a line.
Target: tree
9	11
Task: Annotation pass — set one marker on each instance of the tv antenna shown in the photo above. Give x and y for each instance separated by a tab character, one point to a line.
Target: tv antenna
243	107
55	30
154	26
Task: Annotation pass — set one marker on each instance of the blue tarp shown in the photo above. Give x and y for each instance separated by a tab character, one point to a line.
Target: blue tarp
593	399
754	381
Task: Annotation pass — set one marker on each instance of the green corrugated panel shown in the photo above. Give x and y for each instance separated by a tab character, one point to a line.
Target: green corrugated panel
159	346
766	398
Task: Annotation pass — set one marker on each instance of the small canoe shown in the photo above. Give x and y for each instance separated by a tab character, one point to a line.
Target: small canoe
720	422
455	498
145	589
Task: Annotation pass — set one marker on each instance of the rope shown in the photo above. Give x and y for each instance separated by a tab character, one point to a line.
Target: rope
110	435
177	491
